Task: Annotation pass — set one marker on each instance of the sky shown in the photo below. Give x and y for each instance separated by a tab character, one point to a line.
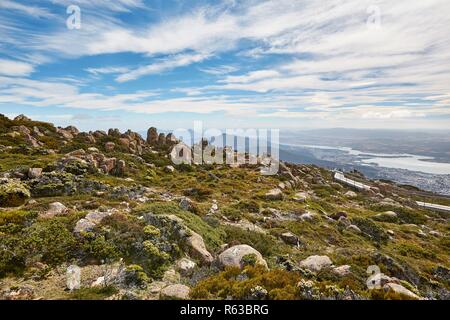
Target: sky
296	64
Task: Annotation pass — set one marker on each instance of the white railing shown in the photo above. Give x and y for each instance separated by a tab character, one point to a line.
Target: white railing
432	206
339	176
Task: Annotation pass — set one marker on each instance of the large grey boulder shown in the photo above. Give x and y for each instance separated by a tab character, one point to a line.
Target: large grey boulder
233	256
56	209
185	266
400	290
316	263
175	292
198	248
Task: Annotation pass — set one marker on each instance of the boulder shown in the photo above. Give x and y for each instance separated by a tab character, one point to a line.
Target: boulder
22	117
84	225
290	238
274	194
232	257
308	216
338	215
198	248
13	193
351	194
73	277
388	216
300	197
109	146
89	222
316	263
400	290
187	204
354	228
152	136
185	266
175	292
34	173
56	209
171	139
169	169
342	270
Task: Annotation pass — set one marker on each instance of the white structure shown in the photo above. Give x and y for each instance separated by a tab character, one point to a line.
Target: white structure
431	206
339	176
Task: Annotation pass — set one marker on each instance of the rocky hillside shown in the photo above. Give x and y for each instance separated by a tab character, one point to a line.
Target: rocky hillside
106	215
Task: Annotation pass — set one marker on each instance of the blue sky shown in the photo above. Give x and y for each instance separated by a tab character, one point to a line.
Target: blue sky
232	64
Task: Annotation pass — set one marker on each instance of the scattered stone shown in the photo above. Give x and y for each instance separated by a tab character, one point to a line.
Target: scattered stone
73	277
186	266
175	292
258	293
354	228
34	173
342	270
421	234
400	290
290	238
316	263
169	169
308	216
56	209
152	136
338	215
388	216
232	257
84	225
88	223
300	197
274	195
171	276
109	146
351	194
198	248
187	204
435	233
100	282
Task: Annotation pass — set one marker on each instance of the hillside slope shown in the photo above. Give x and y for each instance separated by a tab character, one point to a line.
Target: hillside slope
108	215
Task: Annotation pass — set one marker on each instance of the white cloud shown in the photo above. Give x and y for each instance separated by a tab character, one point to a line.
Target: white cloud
162	66
25	9
15	68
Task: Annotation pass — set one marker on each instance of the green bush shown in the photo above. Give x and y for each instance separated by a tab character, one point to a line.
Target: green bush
371	229
280	284
265	244
232	214
50	240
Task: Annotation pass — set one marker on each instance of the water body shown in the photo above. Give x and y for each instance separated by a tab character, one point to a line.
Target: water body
395	161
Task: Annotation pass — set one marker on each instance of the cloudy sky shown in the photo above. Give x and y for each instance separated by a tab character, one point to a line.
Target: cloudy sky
272	64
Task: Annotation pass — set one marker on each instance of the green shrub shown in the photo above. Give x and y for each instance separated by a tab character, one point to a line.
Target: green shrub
13	194
13	221
50	240
265	244
135	276
371	229
199	193
280	284
232	214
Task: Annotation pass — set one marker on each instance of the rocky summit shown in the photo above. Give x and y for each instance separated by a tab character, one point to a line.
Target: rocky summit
107	215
